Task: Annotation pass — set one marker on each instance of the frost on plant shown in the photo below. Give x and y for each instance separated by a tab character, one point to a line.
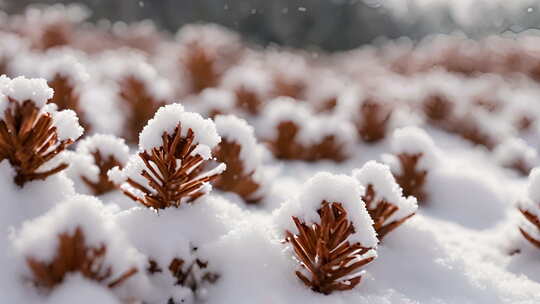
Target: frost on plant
332	236
31	132
517	155
438	109
167	170
384	200
238	149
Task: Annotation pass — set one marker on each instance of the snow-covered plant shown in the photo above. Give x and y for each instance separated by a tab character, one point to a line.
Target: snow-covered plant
294	132
251	85
76	237
207	50
239	150
516	154
33	133
94	157
530	209
413	156
290	72
372	121
212	102
173	148
332	235
438	109
65	75
384	199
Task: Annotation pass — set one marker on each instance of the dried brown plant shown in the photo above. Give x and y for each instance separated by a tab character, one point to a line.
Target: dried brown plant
141	104
104	164
248	101
372	123
328	148
412	179
54	35
235	178
74	256
380	211
438	108
535	221
28	139
469	130
285	145
171	181
66	97
290	88
201	67
324	251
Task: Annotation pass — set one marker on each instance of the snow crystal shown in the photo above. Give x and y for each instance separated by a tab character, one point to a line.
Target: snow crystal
167	118
331	188
379	176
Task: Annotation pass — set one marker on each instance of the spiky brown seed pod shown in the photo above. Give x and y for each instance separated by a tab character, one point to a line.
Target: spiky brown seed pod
411	178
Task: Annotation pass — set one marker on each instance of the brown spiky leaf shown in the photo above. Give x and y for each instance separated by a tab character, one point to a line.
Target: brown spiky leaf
535	221
173	173
380	211
201	67
331	261
74	256
412	179
66	97
28	139
285	145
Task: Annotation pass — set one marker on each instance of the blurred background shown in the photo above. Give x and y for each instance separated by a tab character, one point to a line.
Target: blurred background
325	24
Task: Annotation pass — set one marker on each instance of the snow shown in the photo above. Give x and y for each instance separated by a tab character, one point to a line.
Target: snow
67	125
384	184
168	117
413	140
515	149
22	89
533	186
107	145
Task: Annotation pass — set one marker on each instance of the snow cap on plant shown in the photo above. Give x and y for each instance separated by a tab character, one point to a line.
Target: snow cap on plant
384	198
241	153
33	133
94	157
212	101
167	170
414	155
330	232
78	236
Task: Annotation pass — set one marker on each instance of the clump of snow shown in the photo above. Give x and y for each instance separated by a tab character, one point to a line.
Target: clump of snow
22	89
168	117
533	186
86	292
248	77
384	184
64	63
515	149
66	123
330	188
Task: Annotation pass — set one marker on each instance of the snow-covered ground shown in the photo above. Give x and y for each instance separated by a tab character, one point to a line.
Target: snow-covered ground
213	172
